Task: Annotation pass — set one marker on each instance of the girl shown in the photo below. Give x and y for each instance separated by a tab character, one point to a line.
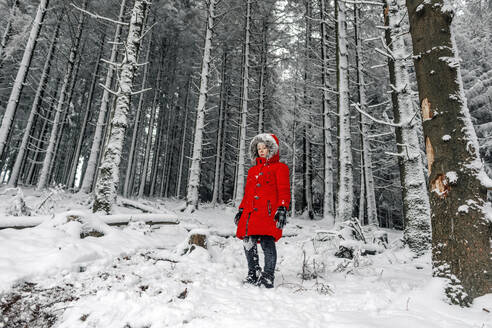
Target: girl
262	212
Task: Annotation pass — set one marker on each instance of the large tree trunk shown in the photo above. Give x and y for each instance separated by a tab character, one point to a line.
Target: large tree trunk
328	201
20	159
90	171
108	178
195	169
8	117
461	230
367	179
244	109
416	211
50	151
345	195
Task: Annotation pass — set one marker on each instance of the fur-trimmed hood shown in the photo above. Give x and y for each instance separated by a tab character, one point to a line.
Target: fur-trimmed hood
271	142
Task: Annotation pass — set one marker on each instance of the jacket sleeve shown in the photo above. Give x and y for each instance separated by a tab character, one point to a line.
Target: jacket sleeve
283	186
247	190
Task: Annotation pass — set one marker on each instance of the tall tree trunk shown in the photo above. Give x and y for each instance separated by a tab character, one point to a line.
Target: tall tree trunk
345	197
108	178
194	178
136	125
328	200
222	160
218	149
47	163
416	208
244	108
307	104
263	68
57	161
367	178
461	230
183	137
75	162
8	117
39	148
90	171
19	161
150	134
170	154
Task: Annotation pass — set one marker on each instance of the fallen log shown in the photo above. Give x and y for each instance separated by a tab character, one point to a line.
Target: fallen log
21	222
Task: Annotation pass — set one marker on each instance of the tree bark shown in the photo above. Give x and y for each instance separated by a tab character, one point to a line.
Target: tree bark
90	171
244	108
194	177
108	178
461	230
219	148
367	178
416	208
345	197
328	200
183	138
136	125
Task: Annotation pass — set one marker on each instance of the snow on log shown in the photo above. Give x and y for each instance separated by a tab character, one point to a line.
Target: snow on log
21	222
144	208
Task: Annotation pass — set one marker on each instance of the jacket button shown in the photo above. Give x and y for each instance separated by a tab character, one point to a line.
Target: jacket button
261	173
257	197
256	210
258	185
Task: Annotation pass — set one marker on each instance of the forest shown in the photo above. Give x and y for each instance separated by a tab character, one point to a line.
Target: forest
383	109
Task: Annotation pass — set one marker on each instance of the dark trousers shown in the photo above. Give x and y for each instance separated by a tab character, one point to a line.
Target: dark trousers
251	250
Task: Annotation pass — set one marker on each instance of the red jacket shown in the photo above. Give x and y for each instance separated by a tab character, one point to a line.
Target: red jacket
267	188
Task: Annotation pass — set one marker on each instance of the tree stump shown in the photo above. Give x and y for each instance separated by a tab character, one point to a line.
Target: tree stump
197	239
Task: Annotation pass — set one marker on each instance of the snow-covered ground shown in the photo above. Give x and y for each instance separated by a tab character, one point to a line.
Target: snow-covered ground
140	276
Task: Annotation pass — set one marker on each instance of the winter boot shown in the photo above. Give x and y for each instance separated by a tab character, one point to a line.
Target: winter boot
266	280
252	278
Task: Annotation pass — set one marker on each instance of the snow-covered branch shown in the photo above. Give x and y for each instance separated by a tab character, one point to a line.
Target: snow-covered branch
99	16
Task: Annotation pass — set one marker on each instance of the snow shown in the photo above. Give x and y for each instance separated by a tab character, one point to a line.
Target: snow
463	209
137	276
452	177
446	137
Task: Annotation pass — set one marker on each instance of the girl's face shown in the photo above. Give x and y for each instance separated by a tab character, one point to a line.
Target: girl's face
262	150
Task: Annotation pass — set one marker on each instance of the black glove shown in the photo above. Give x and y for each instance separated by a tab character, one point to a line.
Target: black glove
238	216
281	217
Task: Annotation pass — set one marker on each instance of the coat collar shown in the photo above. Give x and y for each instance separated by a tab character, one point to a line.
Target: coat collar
262	161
